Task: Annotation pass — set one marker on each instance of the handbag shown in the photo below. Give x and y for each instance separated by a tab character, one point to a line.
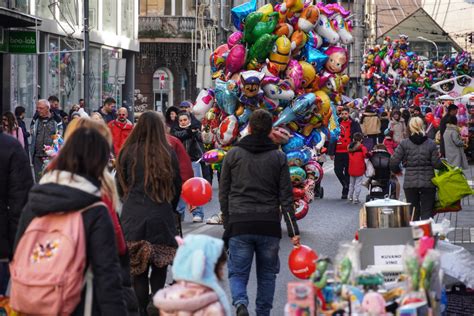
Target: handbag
452	185
369	168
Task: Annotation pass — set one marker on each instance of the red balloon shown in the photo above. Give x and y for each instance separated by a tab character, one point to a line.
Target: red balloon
196	191
436	122
429	117
298	193
301	209
302	262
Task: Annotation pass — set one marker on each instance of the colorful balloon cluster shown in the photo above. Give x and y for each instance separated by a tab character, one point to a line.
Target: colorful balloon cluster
285	59
393	72
52	151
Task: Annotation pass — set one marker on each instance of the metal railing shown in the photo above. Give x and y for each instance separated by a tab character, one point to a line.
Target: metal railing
168	26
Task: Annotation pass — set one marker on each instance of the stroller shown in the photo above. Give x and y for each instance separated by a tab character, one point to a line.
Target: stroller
381	184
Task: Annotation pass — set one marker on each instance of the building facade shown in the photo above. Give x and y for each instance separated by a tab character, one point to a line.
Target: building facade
56	66
170	35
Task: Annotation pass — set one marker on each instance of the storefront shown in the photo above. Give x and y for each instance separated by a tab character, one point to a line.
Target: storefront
56	66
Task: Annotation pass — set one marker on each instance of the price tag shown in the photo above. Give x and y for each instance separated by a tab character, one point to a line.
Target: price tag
388	255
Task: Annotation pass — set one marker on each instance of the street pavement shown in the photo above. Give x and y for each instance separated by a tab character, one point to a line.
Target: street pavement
329	222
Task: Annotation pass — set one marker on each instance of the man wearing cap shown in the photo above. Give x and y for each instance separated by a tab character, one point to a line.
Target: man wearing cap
452	111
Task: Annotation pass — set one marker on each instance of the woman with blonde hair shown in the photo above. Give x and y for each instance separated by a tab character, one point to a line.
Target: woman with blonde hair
419	156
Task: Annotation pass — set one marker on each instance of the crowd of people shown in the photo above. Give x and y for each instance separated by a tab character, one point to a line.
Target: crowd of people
125	179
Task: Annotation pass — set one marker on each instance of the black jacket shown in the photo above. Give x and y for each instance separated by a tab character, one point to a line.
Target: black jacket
101	246
191	139
15	182
255	184
144	219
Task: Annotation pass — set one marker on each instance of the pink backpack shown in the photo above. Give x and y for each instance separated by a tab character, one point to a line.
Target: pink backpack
47	271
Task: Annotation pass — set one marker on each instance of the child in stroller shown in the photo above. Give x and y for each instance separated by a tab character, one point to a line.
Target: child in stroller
382	183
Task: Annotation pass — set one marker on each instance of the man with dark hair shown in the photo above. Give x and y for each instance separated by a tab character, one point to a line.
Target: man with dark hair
55	107
82	103
20	117
338	149
452	111
108	110
254	191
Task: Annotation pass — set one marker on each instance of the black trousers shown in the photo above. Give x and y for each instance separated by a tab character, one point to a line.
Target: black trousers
341	169
142	284
423	200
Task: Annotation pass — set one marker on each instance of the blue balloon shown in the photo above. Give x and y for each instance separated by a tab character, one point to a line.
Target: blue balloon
307	155
313	55
335	134
294	143
239	13
295	158
227	98
313	138
244	117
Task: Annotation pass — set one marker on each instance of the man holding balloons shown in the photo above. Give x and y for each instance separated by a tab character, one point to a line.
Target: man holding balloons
254	192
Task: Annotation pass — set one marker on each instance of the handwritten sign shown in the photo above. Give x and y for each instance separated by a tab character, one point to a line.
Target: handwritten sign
388	255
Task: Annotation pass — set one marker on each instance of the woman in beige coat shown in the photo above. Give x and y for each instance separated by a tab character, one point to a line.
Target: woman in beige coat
454	145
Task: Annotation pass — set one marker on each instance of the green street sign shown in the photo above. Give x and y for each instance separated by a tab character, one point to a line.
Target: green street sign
22	42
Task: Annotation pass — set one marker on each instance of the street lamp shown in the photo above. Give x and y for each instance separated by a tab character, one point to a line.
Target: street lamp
377	19
432	42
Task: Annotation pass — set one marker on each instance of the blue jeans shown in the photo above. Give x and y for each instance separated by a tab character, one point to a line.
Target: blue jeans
199	211
241	250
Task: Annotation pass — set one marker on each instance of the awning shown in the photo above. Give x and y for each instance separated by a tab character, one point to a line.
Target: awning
12	18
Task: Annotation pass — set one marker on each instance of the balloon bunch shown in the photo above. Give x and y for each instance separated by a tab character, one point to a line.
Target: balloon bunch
285	59
52	151
393	72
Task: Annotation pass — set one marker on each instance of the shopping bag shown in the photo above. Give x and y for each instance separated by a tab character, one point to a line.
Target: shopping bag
369	168
456	207
452	185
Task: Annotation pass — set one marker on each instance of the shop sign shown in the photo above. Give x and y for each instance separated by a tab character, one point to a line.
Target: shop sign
22	42
388	255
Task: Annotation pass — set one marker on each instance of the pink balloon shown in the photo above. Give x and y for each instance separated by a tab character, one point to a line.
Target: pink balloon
236	59
234	39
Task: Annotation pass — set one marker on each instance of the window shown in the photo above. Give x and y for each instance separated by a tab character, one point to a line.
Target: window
109	89
93	14
94	79
53	71
68	10
127	18
24	82
42	9
70	77
109	16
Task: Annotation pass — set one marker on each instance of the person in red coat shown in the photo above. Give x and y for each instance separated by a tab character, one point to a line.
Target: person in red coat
120	128
357	154
185	167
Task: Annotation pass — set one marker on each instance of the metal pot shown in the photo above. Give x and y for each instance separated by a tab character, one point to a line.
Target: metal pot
387	213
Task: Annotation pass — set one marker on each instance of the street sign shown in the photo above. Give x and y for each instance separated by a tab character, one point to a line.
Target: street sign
22	42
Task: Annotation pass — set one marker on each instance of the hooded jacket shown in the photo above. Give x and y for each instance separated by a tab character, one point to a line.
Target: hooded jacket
58	192
419	155
191	139
454	147
357	153
254	185
120	132
197	291
15	182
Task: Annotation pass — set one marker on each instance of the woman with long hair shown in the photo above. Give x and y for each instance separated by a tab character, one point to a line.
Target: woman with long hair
10	127
73	183
419	156
150	185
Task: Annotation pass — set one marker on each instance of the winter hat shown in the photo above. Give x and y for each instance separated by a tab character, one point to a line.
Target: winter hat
452	107
195	262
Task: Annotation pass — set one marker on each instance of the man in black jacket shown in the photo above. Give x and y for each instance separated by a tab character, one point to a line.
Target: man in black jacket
15	182
254	192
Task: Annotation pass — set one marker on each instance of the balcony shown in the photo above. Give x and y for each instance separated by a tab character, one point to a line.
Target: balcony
168	26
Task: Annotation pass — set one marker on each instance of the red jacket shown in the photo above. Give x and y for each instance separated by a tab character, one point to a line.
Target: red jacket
185	166
357	161
120	132
391	145
345	136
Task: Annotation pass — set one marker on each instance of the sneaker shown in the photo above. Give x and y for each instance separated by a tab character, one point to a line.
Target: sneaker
356	201
242	310
215	219
349	199
197	219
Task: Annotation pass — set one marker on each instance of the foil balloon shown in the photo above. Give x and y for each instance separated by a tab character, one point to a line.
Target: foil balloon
301	209
297	175
262	47
254	26
314	56
341	25
284	29
213	156
228	130
309	190
294	73
276	90
298	193
314	171
239	13
294	143
280	54
309	74
235	59
266	10
308	18
204	102
227	95
234	39
325	27
245	116
280	136
298	109
295	158
217	60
